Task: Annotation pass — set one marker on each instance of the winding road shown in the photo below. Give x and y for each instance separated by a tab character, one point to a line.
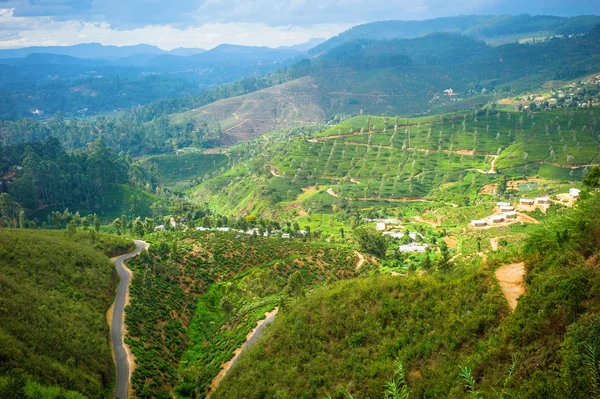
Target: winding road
120	350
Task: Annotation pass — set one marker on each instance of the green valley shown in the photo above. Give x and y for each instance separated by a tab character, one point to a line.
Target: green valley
406	210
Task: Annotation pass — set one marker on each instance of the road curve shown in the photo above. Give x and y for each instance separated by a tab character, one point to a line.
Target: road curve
116	328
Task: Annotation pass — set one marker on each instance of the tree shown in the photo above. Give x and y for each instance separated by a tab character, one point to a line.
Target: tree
371	241
295	286
592	179
149	225
117	225
96	223
138	227
444	262
22	219
71	228
426	263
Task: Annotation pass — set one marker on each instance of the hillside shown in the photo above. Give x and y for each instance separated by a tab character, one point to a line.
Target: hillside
56	290
245	117
197	294
395	160
400	77
343	339
509	28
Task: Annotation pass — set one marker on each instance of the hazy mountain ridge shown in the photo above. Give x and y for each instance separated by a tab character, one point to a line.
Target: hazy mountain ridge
478	26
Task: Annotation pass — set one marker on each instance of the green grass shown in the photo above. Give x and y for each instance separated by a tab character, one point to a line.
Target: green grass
56	290
180	171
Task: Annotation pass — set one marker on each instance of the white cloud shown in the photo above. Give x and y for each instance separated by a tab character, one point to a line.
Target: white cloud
44	31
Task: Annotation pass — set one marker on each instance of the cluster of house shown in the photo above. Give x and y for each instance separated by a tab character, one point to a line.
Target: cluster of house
507	213
414	246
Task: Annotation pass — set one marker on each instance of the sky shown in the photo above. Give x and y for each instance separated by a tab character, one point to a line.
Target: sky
205	24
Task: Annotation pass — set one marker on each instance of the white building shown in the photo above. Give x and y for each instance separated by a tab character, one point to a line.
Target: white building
413	247
526	201
542	200
497	218
511	215
505	209
574	192
502	204
478	223
398	234
380	226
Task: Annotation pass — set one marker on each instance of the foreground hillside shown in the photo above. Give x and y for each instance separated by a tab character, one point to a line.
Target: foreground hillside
196	295
56	290
344	338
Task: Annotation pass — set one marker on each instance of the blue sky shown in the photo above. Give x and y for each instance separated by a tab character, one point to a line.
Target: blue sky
207	23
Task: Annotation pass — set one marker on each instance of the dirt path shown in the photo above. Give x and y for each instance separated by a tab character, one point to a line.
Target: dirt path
510	279
250	339
492	166
274	172
429	222
494	242
361	260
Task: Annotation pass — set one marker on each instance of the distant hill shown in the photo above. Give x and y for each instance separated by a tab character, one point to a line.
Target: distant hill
400	77
244	117
54	59
85	50
303	47
224	54
484	27
183	51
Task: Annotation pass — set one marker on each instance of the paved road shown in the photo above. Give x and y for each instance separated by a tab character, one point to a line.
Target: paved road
255	336
117	322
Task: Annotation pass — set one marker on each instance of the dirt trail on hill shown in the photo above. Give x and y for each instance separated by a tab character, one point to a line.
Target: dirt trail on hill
250	339
361	260
510	279
274	172
494	242
429	222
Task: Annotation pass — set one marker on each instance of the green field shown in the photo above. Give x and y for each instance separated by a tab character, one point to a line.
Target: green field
181	171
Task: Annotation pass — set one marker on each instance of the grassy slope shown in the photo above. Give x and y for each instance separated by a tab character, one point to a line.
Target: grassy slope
113	203
175	275
179	171
241	118
56	290
380	164
345	337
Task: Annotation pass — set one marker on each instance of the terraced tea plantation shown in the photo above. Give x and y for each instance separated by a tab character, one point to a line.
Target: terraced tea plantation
177	302
371	158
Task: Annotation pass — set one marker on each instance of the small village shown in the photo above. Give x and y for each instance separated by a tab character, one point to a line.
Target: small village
505	213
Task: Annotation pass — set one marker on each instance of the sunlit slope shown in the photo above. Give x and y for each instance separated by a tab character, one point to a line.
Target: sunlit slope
244	117
343	339
397	159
